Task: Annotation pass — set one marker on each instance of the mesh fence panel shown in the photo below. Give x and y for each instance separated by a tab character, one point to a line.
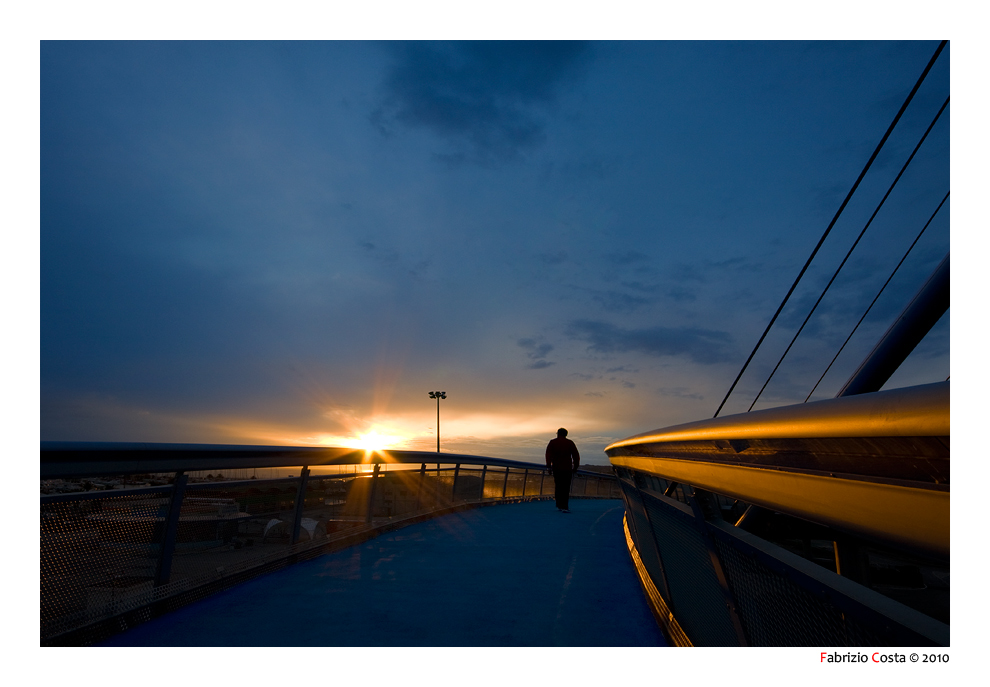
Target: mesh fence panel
98	556
494	479
101	554
643	536
699	602
515	484
533	483
548	488
468	485
775	611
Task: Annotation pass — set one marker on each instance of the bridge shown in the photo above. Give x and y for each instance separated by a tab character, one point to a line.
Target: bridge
508	575
705	534
166	541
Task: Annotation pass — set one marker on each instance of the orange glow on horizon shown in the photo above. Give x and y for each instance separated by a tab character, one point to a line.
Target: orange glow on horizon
371	441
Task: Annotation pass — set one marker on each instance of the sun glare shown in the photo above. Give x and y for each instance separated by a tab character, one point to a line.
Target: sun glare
376	441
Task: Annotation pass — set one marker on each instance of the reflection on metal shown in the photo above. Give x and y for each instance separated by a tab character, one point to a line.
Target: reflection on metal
661	612
874	464
742	518
916	519
911	412
864	475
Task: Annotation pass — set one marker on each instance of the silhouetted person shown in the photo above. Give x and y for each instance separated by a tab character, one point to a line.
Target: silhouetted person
562	460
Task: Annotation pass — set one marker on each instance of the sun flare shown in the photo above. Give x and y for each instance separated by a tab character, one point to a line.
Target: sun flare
376	441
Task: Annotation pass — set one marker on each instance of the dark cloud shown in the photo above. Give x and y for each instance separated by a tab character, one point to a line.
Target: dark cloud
682	295
537	352
616	301
700	345
485	95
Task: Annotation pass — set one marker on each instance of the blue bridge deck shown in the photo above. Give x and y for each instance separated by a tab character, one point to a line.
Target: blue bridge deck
507	575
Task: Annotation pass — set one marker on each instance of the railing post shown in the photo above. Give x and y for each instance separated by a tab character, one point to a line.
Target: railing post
300	503
505	483
453	488
164	569
371	494
543	476
419	489
484	471
525	477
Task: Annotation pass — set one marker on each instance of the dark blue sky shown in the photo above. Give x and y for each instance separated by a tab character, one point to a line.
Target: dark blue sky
295	242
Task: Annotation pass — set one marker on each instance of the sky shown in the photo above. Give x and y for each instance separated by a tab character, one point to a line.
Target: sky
294	242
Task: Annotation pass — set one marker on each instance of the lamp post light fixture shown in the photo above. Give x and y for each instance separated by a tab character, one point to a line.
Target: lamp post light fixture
438	395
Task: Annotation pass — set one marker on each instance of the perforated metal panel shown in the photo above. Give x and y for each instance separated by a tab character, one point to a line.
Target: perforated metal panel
699	601
104	558
642	534
775	611
98	557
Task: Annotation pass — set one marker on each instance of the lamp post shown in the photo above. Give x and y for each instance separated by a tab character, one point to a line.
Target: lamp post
438	395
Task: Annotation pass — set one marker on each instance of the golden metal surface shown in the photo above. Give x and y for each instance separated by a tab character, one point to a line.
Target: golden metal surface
918	518
914	411
671	628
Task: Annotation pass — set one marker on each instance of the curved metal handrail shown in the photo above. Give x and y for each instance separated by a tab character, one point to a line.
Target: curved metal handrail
92	459
875	464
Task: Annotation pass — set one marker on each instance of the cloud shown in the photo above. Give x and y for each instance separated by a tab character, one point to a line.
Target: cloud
482	95
679	392
616	301
682	295
537	352
704	346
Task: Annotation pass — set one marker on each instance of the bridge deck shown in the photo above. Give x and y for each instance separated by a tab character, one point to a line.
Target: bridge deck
508	575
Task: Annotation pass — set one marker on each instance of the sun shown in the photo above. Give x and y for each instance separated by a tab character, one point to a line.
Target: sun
376	441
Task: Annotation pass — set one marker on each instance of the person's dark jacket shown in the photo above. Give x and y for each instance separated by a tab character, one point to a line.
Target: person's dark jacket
562	455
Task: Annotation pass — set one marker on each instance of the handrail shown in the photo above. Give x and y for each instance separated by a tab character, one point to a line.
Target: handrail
875	464
112	557
93	459
914	411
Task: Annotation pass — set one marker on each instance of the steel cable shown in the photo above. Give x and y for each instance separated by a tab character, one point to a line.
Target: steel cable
849	253
877	297
842	207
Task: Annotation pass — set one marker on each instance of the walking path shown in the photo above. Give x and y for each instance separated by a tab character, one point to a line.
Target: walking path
508	575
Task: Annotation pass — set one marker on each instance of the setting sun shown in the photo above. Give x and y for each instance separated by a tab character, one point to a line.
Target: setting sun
375	441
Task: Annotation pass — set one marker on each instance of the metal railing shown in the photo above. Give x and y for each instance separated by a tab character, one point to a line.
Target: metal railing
821	524
131	531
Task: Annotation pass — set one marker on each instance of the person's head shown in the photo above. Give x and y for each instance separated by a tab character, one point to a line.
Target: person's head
561	433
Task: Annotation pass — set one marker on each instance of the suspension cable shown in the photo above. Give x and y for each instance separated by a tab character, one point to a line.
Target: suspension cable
855	243
877	297
842	207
